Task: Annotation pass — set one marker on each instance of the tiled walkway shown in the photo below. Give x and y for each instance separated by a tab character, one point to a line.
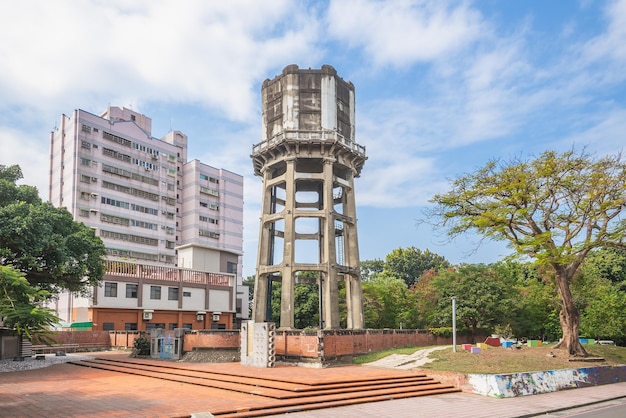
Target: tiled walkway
67	390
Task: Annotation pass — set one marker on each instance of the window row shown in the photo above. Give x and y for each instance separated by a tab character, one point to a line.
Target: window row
140	255
132	326
126	205
208	178
211	206
110	291
130	190
207	219
129	237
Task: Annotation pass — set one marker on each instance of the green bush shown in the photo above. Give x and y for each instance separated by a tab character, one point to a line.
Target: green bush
142	345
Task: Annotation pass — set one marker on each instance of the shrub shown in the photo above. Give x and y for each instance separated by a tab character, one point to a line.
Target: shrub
142	345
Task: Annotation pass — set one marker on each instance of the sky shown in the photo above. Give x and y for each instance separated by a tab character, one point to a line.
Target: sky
442	88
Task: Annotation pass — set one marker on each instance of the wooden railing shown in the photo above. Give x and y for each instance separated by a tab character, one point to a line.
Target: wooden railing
172	274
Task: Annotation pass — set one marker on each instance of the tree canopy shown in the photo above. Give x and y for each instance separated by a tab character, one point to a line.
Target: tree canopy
20	305
52	250
555	208
410	263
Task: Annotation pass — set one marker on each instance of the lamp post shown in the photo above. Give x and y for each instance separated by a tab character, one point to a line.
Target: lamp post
454	324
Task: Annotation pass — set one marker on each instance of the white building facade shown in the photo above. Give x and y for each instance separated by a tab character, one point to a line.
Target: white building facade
172	228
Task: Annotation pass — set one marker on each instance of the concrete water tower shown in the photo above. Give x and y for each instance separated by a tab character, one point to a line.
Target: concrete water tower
308	158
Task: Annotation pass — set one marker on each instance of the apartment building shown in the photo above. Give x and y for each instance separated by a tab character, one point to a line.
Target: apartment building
172	228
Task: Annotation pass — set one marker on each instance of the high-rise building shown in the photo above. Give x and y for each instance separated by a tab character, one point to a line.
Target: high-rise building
172	228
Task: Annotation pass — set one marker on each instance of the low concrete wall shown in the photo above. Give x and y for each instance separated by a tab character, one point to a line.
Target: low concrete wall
532	383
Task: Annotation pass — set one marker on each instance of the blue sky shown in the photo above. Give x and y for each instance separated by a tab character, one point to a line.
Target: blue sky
442	87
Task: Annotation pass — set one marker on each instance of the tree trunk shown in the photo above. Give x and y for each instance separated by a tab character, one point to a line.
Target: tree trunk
569	317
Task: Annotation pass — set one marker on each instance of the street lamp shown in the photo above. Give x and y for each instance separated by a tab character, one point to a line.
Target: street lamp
454	324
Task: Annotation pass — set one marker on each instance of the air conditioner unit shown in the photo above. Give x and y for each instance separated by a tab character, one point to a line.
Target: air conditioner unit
154	157
216	317
94	195
200	317
147	316
94	179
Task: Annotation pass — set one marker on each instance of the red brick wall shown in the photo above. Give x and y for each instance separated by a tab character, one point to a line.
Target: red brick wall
78	337
213	338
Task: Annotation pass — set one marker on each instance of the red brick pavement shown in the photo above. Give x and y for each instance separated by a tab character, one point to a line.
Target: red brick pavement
66	390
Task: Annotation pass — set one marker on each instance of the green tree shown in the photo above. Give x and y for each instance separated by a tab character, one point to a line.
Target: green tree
483	299
21	305
388	303
410	263
536	311
306	305
555	208
599	293
371	268
45	243
604	316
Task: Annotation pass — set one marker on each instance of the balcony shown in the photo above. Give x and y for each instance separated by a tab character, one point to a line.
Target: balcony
167	274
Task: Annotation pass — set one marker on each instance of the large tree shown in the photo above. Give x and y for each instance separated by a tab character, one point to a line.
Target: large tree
483	298
53	251
555	208
410	263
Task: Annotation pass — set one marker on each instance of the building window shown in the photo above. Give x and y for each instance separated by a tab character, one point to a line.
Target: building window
231	267
85	179
155	292
85	144
186	294
187	326
172	326
85	162
130	326
172	293
170	245
86	128
204	205
110	289
84	213
131	291
108	326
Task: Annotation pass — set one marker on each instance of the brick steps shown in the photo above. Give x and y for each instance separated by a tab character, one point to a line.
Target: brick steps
286	390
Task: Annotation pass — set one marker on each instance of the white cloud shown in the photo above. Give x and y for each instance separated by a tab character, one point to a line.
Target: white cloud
209	53
612	43
25	150
400	33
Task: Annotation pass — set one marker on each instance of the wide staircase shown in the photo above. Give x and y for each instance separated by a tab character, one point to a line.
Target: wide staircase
281	389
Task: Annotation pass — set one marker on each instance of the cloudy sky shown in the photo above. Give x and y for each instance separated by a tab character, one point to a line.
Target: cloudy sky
441	87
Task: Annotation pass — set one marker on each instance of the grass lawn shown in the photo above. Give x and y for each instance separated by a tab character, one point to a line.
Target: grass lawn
497	360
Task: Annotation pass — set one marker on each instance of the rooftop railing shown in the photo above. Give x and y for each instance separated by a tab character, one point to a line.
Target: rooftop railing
171	274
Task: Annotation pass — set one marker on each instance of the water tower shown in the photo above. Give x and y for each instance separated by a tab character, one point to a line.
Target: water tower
308	158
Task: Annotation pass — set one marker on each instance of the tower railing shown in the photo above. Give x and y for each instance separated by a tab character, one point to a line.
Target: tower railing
299	135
